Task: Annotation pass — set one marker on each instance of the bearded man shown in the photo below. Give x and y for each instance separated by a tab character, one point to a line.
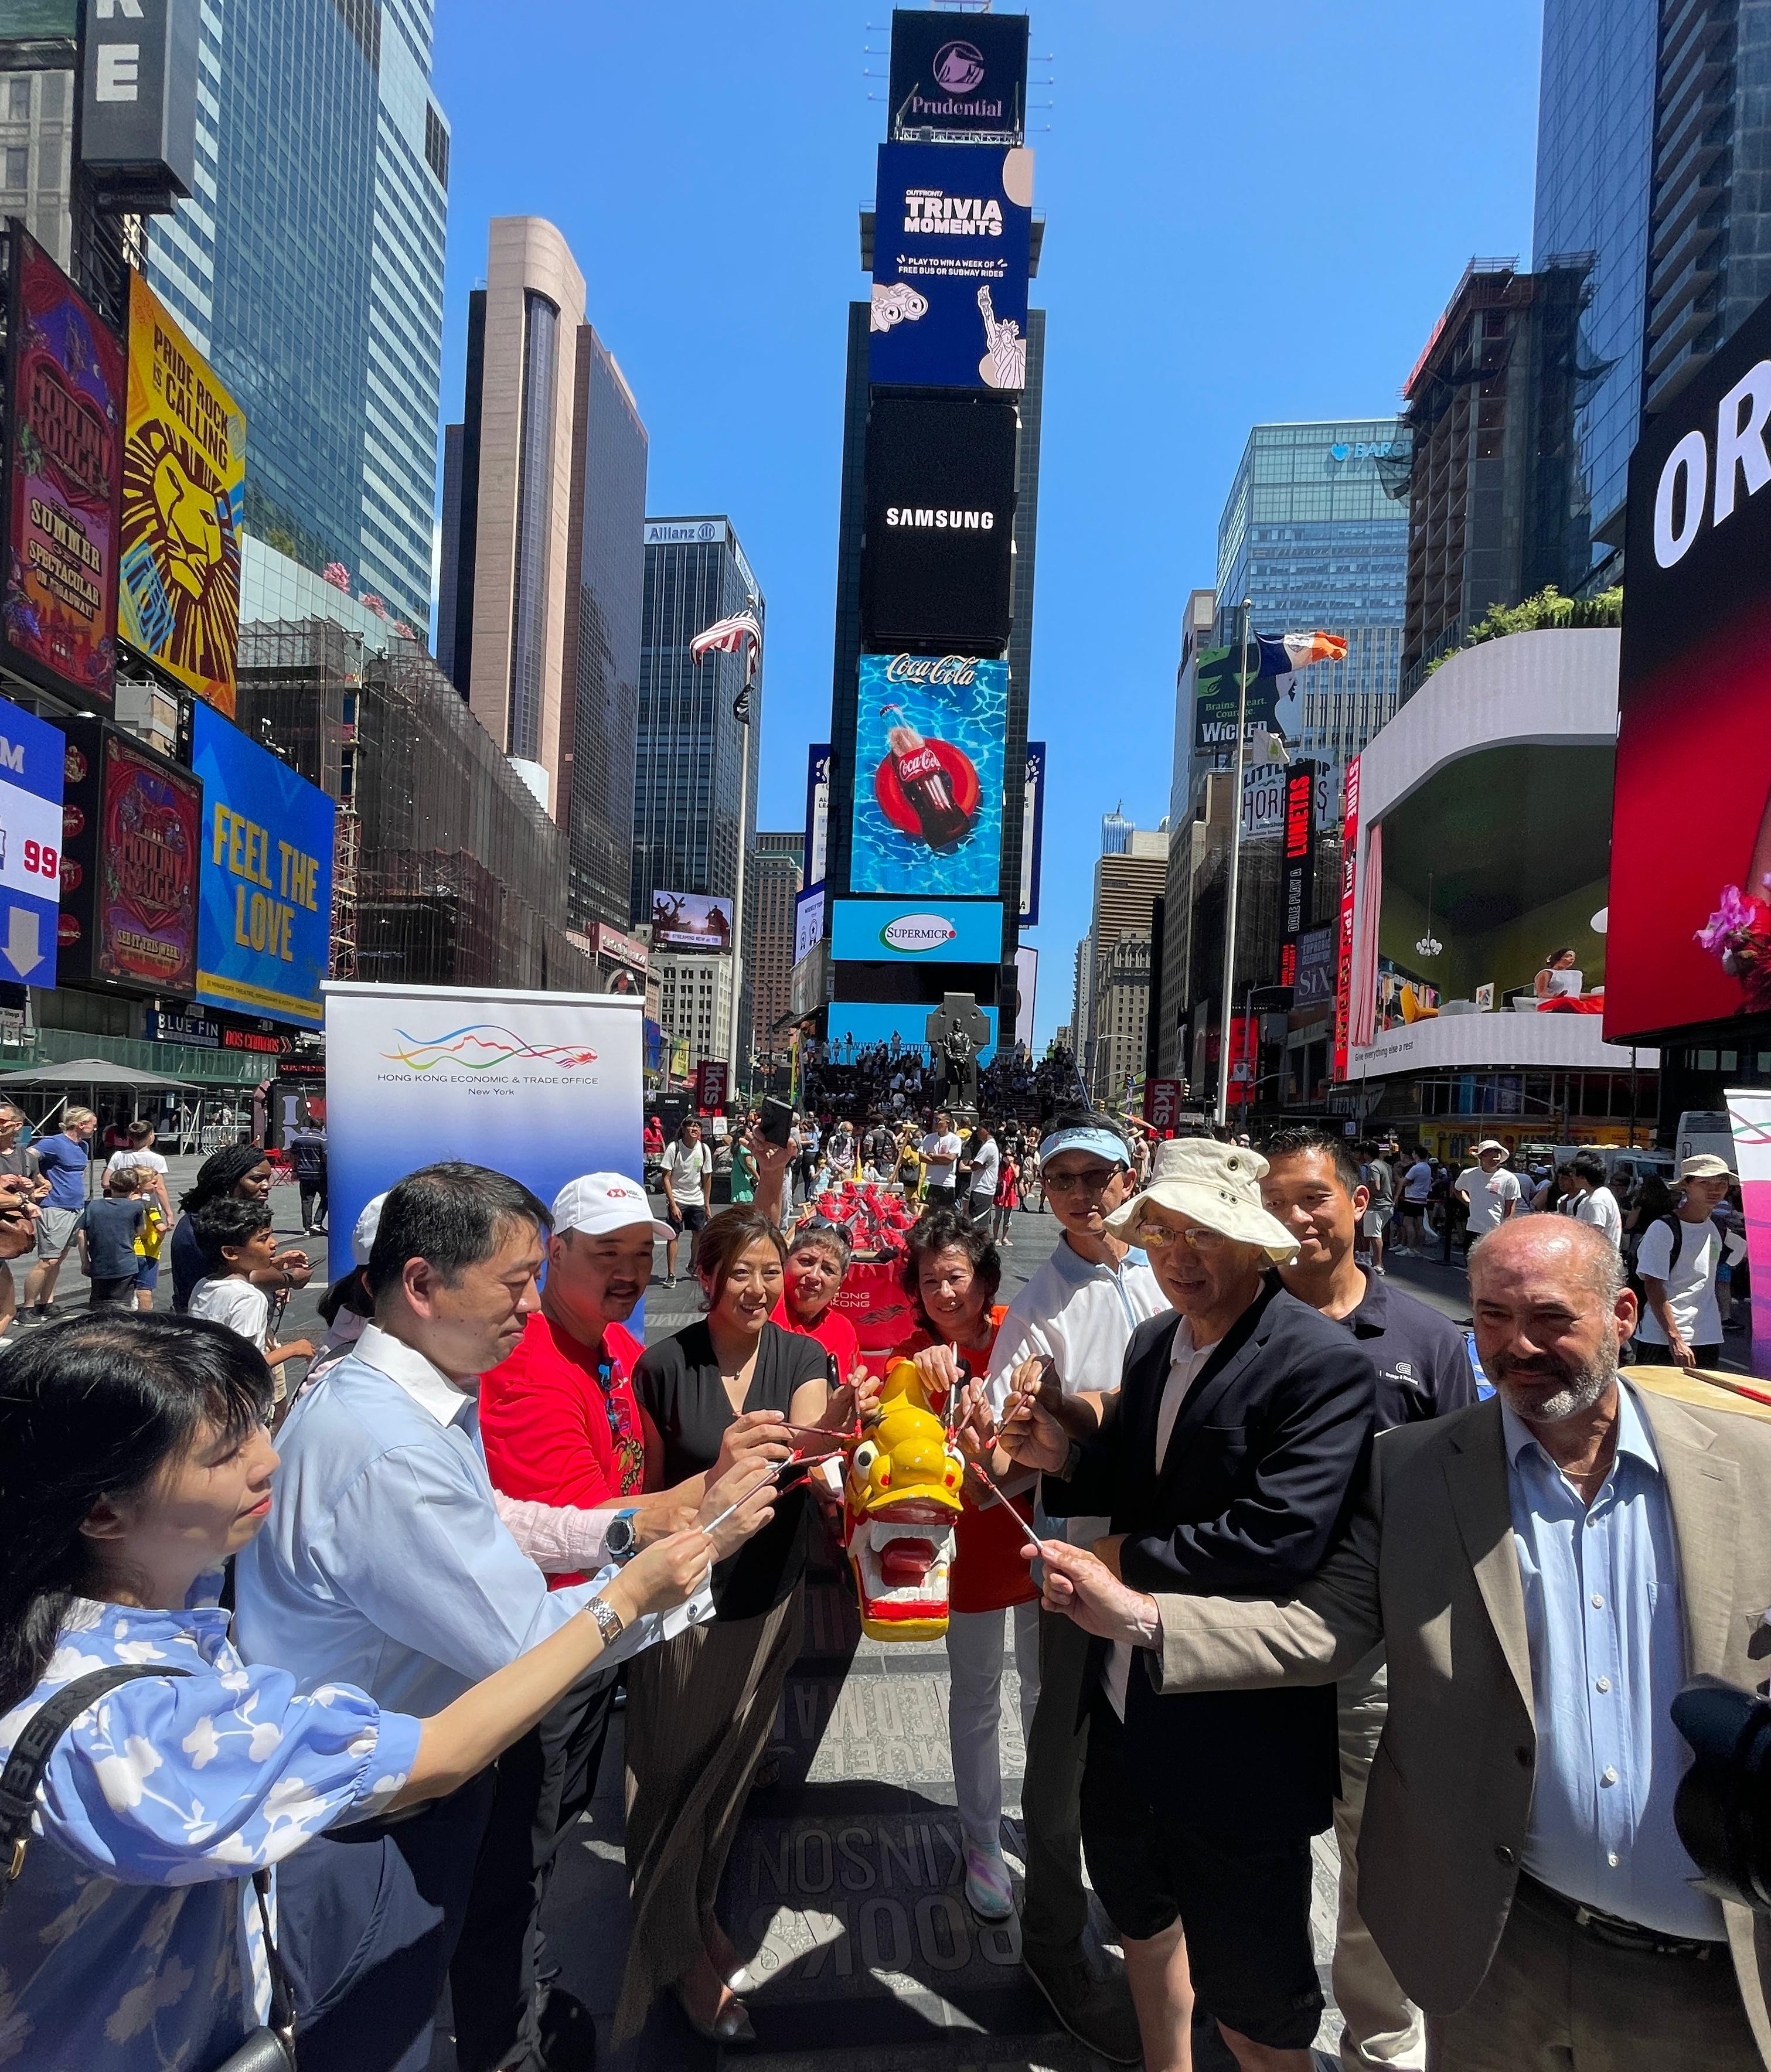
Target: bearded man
1546	1570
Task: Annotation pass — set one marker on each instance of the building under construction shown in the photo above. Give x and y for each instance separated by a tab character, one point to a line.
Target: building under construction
447	870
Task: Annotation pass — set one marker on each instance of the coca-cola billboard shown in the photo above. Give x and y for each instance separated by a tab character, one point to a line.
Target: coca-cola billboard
940	498
928	782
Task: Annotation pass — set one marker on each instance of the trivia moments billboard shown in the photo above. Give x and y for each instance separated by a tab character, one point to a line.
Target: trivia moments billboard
1688	936
184	477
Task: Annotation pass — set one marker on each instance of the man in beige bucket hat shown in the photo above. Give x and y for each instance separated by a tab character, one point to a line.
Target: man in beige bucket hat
1229	1461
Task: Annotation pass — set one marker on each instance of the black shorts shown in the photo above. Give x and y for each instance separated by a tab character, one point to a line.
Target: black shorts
1648	1354
692	1220
1245	1905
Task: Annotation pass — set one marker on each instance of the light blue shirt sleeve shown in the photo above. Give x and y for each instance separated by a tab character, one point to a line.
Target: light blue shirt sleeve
177	1780
416	1546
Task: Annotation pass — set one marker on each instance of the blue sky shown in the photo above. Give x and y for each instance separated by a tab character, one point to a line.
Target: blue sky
1255	212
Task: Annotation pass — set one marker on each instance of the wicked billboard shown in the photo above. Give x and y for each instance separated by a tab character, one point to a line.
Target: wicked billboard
1688	935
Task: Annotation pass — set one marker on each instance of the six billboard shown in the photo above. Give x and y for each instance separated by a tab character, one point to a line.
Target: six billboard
690	921
952	234
1688	935
264	927
928	785
131	834
184	475
957	76
940	503
65	427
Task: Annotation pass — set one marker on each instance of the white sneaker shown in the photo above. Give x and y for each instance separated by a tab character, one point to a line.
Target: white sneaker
988	1891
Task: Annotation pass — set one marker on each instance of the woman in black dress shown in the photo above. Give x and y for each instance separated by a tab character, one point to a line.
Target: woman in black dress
699	1707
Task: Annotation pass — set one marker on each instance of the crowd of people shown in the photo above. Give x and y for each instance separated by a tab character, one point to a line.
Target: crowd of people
1273	1555
896	1078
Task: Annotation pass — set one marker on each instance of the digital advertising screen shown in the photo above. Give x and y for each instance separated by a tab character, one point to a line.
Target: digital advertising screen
184	487
952	235
131	834
940	507
690	921
1688	931
928	798
57	598
957	77
900	931
1032	834
265	931
856	1023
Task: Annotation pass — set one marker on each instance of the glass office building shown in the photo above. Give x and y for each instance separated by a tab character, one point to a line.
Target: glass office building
1594	148
1315	535
686	769
309	265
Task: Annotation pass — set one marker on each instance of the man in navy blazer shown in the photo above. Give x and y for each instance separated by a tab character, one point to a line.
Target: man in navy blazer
1229	1461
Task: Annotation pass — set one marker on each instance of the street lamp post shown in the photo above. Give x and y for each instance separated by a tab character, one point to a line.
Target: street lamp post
739	634
1235	863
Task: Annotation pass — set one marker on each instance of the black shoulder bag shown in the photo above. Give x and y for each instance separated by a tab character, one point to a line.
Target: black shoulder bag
269	2049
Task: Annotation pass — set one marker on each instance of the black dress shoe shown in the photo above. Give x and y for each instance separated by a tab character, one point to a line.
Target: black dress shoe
568	2033
1097	2011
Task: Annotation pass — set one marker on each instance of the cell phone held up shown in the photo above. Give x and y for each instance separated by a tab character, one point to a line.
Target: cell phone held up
777	1122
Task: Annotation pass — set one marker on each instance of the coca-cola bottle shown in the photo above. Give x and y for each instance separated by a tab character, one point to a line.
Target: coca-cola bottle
925	783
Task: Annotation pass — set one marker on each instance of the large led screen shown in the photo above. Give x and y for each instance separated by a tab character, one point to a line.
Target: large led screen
958	75
952	225
928	797
1688	931
940	505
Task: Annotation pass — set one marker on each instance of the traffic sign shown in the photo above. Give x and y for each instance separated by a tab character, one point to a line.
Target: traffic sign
31	843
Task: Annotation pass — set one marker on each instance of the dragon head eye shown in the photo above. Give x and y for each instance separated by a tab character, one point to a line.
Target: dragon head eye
866	1454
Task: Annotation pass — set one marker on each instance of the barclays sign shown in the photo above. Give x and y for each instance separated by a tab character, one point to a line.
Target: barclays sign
1369	449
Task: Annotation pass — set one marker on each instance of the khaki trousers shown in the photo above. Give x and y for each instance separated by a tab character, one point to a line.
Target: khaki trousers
1556	2000
1383	2026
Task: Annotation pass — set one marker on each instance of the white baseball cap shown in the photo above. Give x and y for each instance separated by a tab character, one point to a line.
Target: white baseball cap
600	1203
362	1234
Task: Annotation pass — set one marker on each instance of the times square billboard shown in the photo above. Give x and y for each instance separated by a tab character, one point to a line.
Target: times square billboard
952	236
1688	935
958	75
939	522
929	796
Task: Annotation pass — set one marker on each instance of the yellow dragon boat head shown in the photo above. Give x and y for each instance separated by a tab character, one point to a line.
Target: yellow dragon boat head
902	1497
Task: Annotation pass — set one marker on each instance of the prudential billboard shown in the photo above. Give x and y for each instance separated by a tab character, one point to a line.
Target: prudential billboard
265	927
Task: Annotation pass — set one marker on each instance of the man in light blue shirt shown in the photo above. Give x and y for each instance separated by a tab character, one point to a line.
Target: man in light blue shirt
385	1563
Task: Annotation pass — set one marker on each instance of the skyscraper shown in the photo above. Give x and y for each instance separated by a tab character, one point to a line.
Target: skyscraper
772	884
1315	534
1595	149
542	564
308	266
686	767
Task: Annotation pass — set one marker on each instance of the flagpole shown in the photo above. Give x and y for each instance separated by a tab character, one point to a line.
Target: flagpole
1230	892
738	900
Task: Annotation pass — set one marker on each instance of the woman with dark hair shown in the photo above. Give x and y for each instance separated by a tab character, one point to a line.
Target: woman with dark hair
134	1460
240	1170
1558	974
952	1273
700	1706
811	1280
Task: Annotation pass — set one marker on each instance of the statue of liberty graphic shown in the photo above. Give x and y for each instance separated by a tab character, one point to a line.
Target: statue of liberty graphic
1005	362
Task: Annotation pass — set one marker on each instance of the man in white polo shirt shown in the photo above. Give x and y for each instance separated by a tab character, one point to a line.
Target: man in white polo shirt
1079	1311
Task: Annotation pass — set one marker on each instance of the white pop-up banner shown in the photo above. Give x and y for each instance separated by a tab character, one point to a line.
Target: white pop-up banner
542	1086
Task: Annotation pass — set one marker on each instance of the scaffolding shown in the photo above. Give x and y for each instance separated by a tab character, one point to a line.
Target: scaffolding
447	871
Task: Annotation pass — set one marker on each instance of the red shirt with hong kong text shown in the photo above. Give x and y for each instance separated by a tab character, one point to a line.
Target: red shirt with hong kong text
559	1424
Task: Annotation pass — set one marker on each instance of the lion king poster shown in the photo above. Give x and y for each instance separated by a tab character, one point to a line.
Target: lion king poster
184	473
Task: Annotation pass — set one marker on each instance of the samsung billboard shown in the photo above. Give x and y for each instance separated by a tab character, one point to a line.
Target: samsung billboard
940	505
952	228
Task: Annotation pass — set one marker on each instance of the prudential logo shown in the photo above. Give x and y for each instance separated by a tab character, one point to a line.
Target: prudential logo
912	934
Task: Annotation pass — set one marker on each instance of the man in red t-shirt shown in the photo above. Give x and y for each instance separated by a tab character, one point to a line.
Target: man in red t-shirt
564	1447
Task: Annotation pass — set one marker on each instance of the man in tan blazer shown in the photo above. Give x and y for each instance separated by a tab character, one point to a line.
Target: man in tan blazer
1545	1571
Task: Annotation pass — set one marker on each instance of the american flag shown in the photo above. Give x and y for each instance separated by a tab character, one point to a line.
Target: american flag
728	636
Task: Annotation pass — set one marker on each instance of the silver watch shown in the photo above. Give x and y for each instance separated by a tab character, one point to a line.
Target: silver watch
610	1622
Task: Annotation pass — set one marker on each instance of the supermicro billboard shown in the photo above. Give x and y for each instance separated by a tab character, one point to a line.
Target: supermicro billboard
1688	939
952	227
940	505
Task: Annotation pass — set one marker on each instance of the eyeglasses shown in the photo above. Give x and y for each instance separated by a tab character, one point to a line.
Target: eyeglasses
1158	1237
1093	1180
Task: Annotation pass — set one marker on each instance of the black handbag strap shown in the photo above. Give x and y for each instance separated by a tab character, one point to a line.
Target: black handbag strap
24	1772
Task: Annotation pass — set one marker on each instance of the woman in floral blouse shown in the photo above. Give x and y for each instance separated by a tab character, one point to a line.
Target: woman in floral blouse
134	1459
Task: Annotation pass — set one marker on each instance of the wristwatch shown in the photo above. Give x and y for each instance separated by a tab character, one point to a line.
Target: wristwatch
610	1622
621	1541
